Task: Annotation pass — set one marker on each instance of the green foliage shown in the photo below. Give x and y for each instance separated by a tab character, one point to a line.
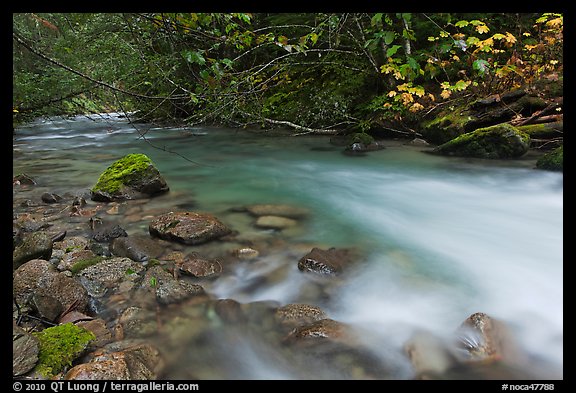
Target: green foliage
313	69
553	160
59	346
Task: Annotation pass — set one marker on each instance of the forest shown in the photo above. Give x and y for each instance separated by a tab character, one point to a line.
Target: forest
309	72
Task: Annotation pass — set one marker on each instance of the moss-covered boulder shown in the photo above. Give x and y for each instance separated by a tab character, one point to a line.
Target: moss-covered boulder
131	177
553	161
59	346
500	141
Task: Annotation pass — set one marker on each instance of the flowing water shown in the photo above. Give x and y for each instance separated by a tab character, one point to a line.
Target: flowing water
442	237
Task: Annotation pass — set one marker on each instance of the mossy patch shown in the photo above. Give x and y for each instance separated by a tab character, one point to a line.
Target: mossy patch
59	346
361	137
553	160
84	263
122	172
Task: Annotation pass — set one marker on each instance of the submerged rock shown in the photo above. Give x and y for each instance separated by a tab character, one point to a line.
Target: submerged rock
298	314
279	210
275	222
133	176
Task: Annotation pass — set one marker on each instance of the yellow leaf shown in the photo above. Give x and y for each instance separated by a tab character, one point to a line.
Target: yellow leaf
391	93
482	29
554	23
510	38
416	107
445	94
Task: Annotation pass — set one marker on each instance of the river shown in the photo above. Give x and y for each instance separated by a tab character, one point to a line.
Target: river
443	237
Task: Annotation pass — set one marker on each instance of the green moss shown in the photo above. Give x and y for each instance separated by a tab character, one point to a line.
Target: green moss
447	126
84	263
59	346
553	160
122	172
361	137
489	142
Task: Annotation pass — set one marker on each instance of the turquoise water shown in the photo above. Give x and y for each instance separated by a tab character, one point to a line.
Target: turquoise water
443	237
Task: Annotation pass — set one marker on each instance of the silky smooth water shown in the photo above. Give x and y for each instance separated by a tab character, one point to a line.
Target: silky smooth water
444	237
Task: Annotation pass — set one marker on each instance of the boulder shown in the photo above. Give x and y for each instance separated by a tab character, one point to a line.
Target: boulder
137	361
188	227
37	245
133	176
40	278
139	248
328	262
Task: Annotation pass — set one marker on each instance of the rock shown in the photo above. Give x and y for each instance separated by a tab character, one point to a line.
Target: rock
328	262
188	227
500	141
275	222
98	327
484	338
73	243
37	245
166	288
50	198
137	361
25	350
133	176
430	356
137	322
297	314
281	210
23	179
46	306
107	275
108	232
70	259
139	248
39	277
